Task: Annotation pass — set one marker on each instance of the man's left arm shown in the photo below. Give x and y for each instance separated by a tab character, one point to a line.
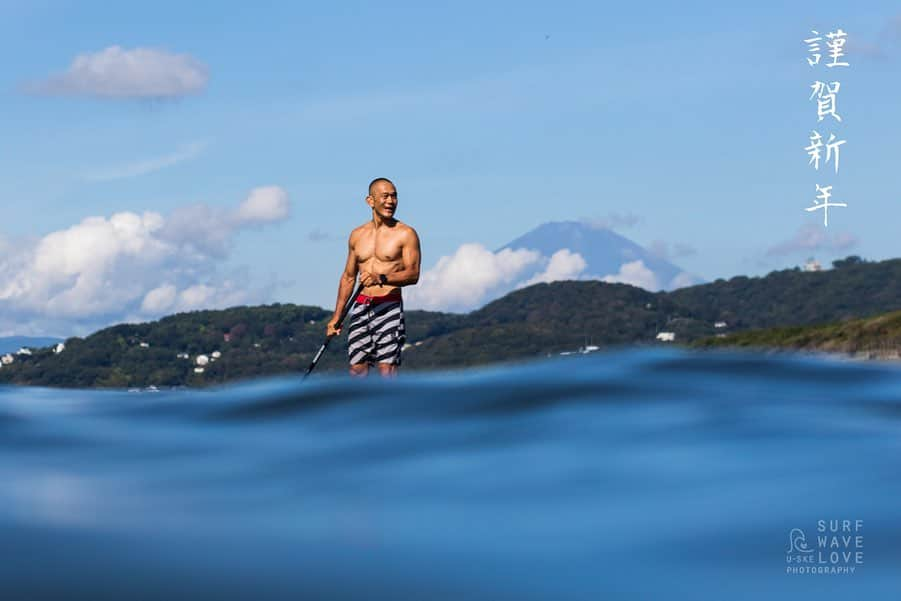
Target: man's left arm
409	275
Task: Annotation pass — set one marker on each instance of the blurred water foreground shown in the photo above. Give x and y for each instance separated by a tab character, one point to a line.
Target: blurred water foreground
652	474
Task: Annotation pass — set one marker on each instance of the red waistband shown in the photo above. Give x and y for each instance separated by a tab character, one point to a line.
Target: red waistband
391	297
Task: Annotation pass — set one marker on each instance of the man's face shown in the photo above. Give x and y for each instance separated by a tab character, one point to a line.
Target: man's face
383	199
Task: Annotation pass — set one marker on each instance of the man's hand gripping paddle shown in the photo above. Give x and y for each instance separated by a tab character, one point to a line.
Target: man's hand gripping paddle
328	339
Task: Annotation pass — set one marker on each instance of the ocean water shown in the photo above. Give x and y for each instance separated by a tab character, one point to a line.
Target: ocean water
630	474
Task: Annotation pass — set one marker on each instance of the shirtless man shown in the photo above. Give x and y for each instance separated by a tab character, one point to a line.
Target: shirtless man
386	254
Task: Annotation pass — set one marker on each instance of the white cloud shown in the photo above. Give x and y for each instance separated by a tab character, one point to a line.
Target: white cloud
159	299
185	153
813	237
683	279
636	274
474	275
563	265
197	296
115	72
264	205
662	249
463	280
104	269
203	230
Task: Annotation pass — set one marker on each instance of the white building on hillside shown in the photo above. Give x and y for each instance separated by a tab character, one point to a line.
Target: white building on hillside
666	336
812	265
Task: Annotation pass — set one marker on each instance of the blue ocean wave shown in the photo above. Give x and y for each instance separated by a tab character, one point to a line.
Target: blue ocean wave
633	474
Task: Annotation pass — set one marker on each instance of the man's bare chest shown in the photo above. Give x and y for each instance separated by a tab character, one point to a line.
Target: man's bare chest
383	247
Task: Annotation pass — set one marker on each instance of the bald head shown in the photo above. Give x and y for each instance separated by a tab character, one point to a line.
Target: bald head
377	180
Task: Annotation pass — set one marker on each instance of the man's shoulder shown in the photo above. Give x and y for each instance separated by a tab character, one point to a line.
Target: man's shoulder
405	229
359	230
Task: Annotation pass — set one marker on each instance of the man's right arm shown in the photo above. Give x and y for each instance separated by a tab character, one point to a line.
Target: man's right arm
345	288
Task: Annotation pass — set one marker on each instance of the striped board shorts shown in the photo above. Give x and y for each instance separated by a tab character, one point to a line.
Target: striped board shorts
376	332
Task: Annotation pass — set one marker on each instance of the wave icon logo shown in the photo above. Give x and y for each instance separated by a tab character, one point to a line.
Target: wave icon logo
797	542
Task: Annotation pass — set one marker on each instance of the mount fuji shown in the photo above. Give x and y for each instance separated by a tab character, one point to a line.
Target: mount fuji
605	255
564	250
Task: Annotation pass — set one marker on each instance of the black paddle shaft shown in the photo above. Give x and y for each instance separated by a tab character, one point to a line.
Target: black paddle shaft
328	339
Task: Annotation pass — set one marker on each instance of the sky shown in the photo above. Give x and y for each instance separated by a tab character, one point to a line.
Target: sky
159	157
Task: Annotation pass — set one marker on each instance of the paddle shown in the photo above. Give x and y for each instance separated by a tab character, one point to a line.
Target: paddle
328	339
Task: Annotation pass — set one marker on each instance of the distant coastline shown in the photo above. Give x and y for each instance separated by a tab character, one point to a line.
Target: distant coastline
852	311
872	338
